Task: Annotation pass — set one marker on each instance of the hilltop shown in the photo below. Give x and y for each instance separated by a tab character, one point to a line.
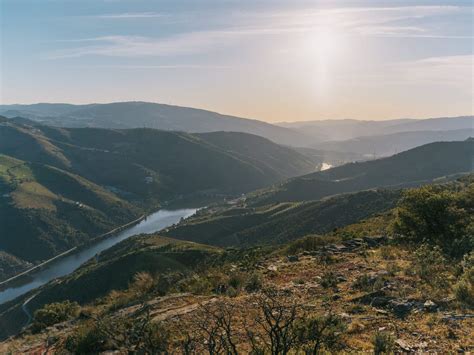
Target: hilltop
121	115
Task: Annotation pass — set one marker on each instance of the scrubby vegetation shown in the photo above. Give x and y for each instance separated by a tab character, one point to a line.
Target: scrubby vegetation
399	289
438	216
54	313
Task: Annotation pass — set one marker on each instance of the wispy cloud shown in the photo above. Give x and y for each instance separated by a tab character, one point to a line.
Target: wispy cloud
131	15
159	67
349	21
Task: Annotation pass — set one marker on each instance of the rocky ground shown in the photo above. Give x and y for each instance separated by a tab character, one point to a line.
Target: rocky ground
370	285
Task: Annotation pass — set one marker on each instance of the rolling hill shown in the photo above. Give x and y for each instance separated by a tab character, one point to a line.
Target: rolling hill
278	223
46	210
338	130
389	144
60	187
121	115
413	167
155	166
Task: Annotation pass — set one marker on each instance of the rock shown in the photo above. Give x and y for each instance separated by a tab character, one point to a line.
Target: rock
430	306
292	258
403	345
422	345
400	307
272	268
381	301
456	317
368	297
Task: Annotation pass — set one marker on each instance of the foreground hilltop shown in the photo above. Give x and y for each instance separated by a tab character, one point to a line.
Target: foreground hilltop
382	284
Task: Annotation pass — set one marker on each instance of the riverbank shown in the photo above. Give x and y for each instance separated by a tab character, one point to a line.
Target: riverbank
22	276
69	261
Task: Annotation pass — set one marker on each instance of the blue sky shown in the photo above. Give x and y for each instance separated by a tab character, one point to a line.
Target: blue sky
272	60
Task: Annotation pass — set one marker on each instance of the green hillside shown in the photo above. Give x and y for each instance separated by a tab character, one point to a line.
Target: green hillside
116	267
155	166
413	167
281	222
45	210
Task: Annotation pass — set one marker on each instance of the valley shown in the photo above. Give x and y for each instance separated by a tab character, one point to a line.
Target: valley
306	222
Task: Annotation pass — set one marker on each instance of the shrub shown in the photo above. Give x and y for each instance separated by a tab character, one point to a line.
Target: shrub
142	283
363	282
438	217
236	281
322	332
254	283
430	265
87	339
464	288
54	313
388	252
383	343
329	279
136	334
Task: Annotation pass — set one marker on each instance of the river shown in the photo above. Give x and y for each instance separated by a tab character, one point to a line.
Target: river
64	266
325	166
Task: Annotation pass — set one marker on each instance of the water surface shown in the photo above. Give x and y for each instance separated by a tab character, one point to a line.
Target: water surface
64	266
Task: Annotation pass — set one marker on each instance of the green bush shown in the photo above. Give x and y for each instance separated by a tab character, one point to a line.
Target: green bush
322	332
87	339
329	279
54	313
464	288
383	343
254	283
430	265
437	216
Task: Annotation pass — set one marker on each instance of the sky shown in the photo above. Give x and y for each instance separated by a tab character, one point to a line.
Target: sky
271	60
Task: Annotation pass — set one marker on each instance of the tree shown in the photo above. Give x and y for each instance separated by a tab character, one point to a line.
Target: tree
316	333
436	216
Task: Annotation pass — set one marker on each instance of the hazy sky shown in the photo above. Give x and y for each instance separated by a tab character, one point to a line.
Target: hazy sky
272	60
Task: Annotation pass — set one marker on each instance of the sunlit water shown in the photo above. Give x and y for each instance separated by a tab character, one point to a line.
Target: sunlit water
64	266
325	166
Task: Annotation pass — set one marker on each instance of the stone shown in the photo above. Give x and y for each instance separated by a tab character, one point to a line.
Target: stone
292	258
368	297
381	301
403	344
430	306
400	307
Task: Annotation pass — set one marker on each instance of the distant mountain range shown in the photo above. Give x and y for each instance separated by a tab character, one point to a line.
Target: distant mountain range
338	130
151	115
122	115
389	144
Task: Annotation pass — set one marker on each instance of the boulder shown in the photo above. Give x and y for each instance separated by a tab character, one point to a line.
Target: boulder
430	306
400	308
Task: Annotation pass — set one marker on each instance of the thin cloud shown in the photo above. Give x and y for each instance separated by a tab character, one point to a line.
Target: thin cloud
455	70
368	21
159	67
131	15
